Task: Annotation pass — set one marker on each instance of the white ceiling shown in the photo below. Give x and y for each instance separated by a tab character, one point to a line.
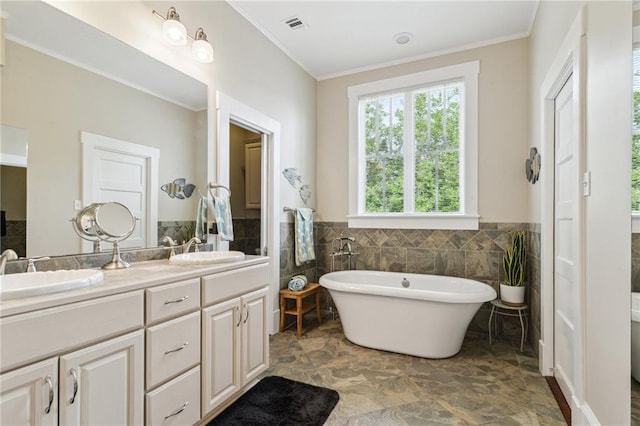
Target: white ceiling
342	37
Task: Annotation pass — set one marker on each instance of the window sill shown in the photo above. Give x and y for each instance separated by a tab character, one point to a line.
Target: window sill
401	221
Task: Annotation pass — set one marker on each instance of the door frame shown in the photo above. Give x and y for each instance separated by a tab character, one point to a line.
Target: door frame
230	111
569	61
90	142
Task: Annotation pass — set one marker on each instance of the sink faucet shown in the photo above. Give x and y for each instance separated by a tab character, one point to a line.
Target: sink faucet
186	246
172	244
8	254
31	265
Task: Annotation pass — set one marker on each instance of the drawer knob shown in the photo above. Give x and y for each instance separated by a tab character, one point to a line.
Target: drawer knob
182	299
179	348
178	411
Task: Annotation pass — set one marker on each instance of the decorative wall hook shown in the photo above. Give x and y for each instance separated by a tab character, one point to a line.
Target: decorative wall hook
532	165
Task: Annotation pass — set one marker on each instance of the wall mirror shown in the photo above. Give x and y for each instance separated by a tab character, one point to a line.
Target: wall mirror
63	77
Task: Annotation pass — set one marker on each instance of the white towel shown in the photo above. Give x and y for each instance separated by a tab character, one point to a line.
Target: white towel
304	236
222	213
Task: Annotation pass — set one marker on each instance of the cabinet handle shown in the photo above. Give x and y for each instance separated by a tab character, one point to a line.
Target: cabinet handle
246	308
239	317
184	345
50	384
182	299
75	385
178	411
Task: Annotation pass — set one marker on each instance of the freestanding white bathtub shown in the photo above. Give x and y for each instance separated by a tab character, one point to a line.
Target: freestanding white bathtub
429	318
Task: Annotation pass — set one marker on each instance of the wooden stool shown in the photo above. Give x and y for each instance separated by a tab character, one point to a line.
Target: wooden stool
300	308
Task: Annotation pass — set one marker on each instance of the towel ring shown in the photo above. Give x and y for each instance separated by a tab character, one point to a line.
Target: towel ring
213	185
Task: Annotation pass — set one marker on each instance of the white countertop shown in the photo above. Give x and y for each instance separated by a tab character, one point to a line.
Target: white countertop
140	275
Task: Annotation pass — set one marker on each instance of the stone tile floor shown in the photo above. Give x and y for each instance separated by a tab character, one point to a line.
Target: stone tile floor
482	385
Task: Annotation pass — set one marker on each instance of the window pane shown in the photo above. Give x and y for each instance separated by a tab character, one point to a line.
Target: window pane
437	139
453	115
384	135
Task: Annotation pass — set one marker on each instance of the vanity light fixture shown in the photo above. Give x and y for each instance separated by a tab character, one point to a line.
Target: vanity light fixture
175	33
201	50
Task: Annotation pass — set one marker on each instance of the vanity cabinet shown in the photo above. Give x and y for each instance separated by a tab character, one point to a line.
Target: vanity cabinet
100	384
103	384
29	395
171	353
234	334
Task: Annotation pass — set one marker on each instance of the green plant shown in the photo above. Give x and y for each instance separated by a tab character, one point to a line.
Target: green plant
515	260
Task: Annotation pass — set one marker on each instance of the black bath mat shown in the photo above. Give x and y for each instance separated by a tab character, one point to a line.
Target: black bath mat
278	401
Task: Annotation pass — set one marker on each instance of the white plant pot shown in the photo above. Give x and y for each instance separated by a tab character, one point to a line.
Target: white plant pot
512	296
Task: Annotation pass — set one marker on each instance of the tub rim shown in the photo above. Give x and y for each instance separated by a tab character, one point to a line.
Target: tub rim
483	292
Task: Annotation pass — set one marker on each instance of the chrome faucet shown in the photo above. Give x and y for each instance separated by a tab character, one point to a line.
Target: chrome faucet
31	265
8	254
187	246
172	244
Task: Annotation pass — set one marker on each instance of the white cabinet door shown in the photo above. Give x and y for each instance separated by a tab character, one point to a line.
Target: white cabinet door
255	336
220	353
29	395
103	384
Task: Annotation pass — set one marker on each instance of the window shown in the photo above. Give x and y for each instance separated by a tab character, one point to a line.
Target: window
413	144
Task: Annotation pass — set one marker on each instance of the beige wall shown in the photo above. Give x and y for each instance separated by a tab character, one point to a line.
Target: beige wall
503	140
54	101
237	171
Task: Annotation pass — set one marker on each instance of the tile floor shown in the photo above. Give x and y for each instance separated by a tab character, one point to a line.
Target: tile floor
482	385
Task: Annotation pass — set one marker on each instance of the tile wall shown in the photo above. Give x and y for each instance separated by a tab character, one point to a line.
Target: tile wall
469	254
16	237
246	235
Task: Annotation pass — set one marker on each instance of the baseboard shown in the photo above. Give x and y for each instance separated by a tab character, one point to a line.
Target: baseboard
275	322
588	417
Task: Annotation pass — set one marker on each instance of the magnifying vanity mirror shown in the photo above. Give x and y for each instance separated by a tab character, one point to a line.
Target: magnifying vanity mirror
63	78
110	222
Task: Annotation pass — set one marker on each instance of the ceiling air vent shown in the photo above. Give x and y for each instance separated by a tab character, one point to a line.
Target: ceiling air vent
294	23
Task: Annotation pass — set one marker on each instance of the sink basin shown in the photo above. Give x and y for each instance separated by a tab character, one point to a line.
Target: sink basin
206	257
29	284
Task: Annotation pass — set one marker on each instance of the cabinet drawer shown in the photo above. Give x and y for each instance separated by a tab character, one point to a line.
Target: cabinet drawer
35	335
225	285
171	300
176	402
172	347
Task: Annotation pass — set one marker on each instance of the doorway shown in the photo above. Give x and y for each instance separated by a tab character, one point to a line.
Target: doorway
245	182
231	111
561	347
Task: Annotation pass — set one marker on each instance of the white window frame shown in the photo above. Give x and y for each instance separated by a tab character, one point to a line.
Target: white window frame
468	217
635	216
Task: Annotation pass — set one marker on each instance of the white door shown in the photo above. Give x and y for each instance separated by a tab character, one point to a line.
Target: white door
566	199
122	178
221	348
255	336
29	395
124	172
103	384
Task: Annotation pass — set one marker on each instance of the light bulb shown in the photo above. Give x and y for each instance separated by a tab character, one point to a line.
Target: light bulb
201	50
172	29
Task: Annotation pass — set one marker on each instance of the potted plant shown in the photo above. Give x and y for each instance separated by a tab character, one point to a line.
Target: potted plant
514	264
